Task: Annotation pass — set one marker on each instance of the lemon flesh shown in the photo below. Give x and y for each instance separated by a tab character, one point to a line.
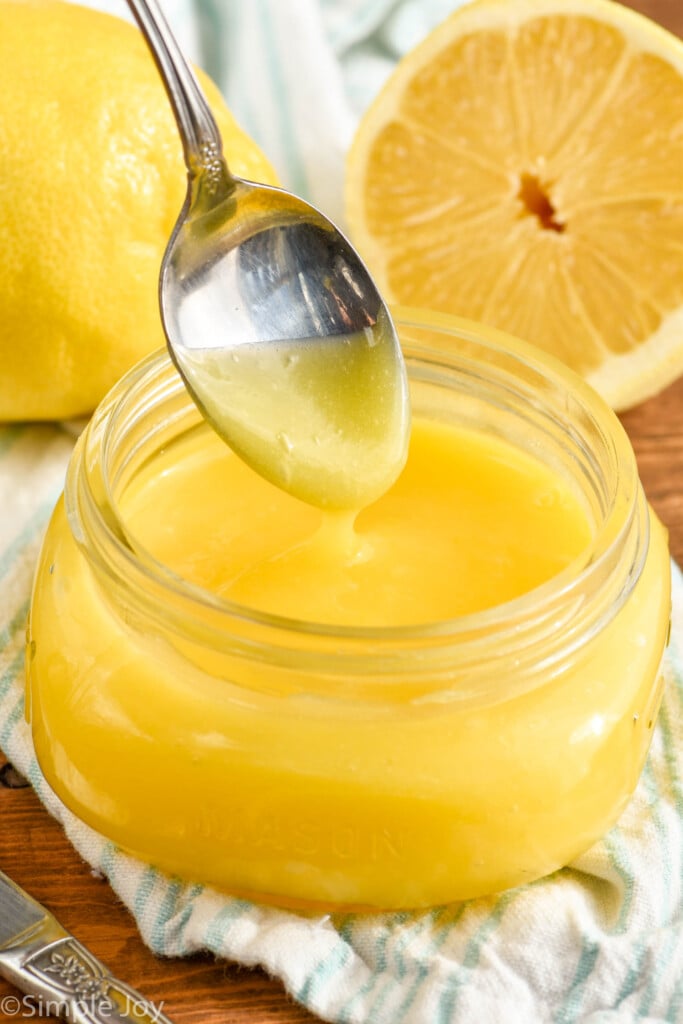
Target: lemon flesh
524	167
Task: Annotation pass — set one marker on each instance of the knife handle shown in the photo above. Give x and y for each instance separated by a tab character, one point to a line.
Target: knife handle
70	981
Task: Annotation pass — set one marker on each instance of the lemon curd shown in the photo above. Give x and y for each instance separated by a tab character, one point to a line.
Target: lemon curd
326	419
449	692
427	551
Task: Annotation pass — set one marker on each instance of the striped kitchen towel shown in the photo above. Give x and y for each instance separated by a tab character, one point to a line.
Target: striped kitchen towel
599	942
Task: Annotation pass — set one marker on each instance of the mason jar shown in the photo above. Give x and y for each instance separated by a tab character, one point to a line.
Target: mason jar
335	766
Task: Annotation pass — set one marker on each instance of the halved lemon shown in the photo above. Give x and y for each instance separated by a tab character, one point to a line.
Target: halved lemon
523	167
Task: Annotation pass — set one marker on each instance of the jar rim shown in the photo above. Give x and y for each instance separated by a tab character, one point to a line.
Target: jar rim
507	618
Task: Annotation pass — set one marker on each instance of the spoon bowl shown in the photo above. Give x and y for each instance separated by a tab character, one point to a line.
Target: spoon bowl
273	320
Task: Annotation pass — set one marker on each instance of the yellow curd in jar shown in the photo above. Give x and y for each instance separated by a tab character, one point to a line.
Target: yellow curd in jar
472	522
445	694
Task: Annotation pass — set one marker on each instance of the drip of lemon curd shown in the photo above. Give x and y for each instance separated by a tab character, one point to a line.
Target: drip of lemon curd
472	522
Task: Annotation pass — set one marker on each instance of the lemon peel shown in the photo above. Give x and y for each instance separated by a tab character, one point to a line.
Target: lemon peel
91	182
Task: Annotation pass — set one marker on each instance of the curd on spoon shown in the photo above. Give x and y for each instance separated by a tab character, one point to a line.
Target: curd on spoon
273	321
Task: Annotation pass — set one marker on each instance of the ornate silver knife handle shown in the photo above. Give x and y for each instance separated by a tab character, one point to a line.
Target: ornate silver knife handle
62	978
85	988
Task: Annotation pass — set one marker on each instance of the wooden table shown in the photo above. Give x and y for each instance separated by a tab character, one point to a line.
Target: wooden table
34	851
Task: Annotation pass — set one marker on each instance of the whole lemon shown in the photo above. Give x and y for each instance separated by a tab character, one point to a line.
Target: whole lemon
92	180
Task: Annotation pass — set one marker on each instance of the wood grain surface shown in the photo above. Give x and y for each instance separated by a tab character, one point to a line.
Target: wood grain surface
34	851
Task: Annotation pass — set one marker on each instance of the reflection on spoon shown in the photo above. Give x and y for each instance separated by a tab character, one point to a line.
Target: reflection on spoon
329	408
273	320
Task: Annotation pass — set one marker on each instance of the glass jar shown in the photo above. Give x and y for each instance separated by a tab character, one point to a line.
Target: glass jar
353	767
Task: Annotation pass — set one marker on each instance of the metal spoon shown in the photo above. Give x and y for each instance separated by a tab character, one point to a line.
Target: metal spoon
273	320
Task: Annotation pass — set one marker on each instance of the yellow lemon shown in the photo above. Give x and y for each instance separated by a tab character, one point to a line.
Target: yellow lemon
523	167
91	182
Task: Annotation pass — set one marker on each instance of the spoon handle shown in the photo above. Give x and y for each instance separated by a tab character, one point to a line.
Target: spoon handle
198	130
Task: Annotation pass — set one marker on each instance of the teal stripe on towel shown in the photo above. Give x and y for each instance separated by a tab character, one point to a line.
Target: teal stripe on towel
409	933
432	950
316	982
10	674
217	929
654	977
166	909
449	998
374	978
186	913
634	972
15	716
654	808
18	621
671	756
587	960
486	928
34	524
144	891
616	849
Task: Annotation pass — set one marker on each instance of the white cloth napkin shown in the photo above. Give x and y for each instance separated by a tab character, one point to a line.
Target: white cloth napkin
600	942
